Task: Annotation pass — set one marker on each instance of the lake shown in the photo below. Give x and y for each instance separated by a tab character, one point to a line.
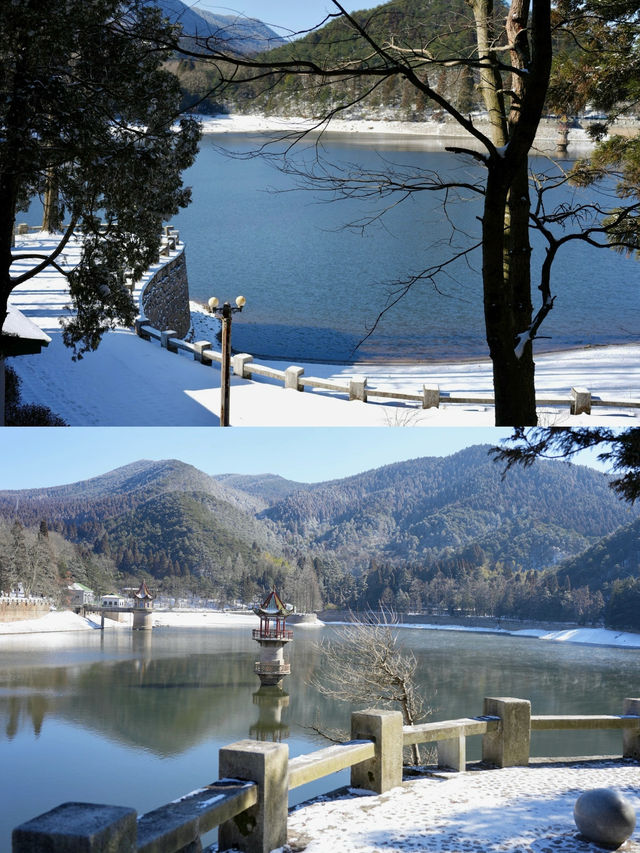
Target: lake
314	288
138	718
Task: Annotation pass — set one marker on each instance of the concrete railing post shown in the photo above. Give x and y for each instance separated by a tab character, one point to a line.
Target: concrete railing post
509	745
384	770
430	396
452	753
358	388
79	828
580	401
198	348
292	378
263	827
239	364
631	737
141	332
165	341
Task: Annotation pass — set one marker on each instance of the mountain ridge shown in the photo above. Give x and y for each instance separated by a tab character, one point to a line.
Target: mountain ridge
240	34
355	537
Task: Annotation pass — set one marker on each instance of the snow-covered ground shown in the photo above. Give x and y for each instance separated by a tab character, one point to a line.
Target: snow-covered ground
65	620
585	636
516	809
131	382
436	133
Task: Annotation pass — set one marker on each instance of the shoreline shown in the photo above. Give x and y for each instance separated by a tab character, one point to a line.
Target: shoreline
426	132
61	622
200	309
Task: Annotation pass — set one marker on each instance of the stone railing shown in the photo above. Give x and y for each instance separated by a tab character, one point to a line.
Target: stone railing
249	804
163	292
579	401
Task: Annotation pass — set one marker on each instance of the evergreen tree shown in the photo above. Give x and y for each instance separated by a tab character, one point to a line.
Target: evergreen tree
86	122
44	573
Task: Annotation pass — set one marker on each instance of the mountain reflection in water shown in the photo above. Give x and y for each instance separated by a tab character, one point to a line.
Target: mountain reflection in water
111	717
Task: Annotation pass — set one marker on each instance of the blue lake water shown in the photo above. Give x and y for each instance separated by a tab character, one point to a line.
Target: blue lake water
314	288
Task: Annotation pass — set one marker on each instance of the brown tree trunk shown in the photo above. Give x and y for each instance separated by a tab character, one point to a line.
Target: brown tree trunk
51	219
513	377
490	79
506	267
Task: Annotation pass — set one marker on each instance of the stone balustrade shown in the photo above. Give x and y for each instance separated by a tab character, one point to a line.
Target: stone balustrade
249	804
579	401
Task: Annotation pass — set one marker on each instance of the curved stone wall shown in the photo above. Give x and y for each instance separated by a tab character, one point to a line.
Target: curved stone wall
165	297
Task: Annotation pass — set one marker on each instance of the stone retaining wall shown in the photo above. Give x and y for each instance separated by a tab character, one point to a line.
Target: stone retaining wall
18	610
165	297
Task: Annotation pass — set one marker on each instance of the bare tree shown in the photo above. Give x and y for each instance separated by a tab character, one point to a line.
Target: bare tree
511	62
368	664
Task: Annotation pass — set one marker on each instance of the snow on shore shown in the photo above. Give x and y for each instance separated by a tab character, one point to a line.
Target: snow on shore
57	621
434	133
132	382
584	636
60	621
203	619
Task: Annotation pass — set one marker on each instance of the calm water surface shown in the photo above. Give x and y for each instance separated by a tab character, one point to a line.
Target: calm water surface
314	288
138	720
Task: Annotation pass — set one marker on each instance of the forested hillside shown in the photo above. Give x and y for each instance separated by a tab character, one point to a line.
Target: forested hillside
165	520
444	29
44	562
445	534
264	487
424	508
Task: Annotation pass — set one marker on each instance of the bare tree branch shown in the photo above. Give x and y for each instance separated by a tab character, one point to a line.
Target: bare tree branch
368	665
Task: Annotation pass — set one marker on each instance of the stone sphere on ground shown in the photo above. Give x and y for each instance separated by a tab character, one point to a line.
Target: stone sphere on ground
604	817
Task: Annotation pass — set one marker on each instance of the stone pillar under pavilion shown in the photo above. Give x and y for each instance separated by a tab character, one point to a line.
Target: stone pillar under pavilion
143	612
273	636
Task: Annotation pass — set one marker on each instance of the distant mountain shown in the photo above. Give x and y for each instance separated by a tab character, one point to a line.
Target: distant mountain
440	27
166	518
269	488
417	519
239	34
611	558
137	481
419	509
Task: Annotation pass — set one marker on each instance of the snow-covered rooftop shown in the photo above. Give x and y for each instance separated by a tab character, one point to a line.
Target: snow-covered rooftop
28	336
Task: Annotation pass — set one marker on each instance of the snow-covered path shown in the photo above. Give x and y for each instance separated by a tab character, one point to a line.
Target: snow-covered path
517	809
131	382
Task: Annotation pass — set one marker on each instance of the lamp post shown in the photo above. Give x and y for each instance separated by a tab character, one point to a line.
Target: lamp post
224	315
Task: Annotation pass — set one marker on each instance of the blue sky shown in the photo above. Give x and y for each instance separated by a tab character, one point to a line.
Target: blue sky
292	15
32	458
